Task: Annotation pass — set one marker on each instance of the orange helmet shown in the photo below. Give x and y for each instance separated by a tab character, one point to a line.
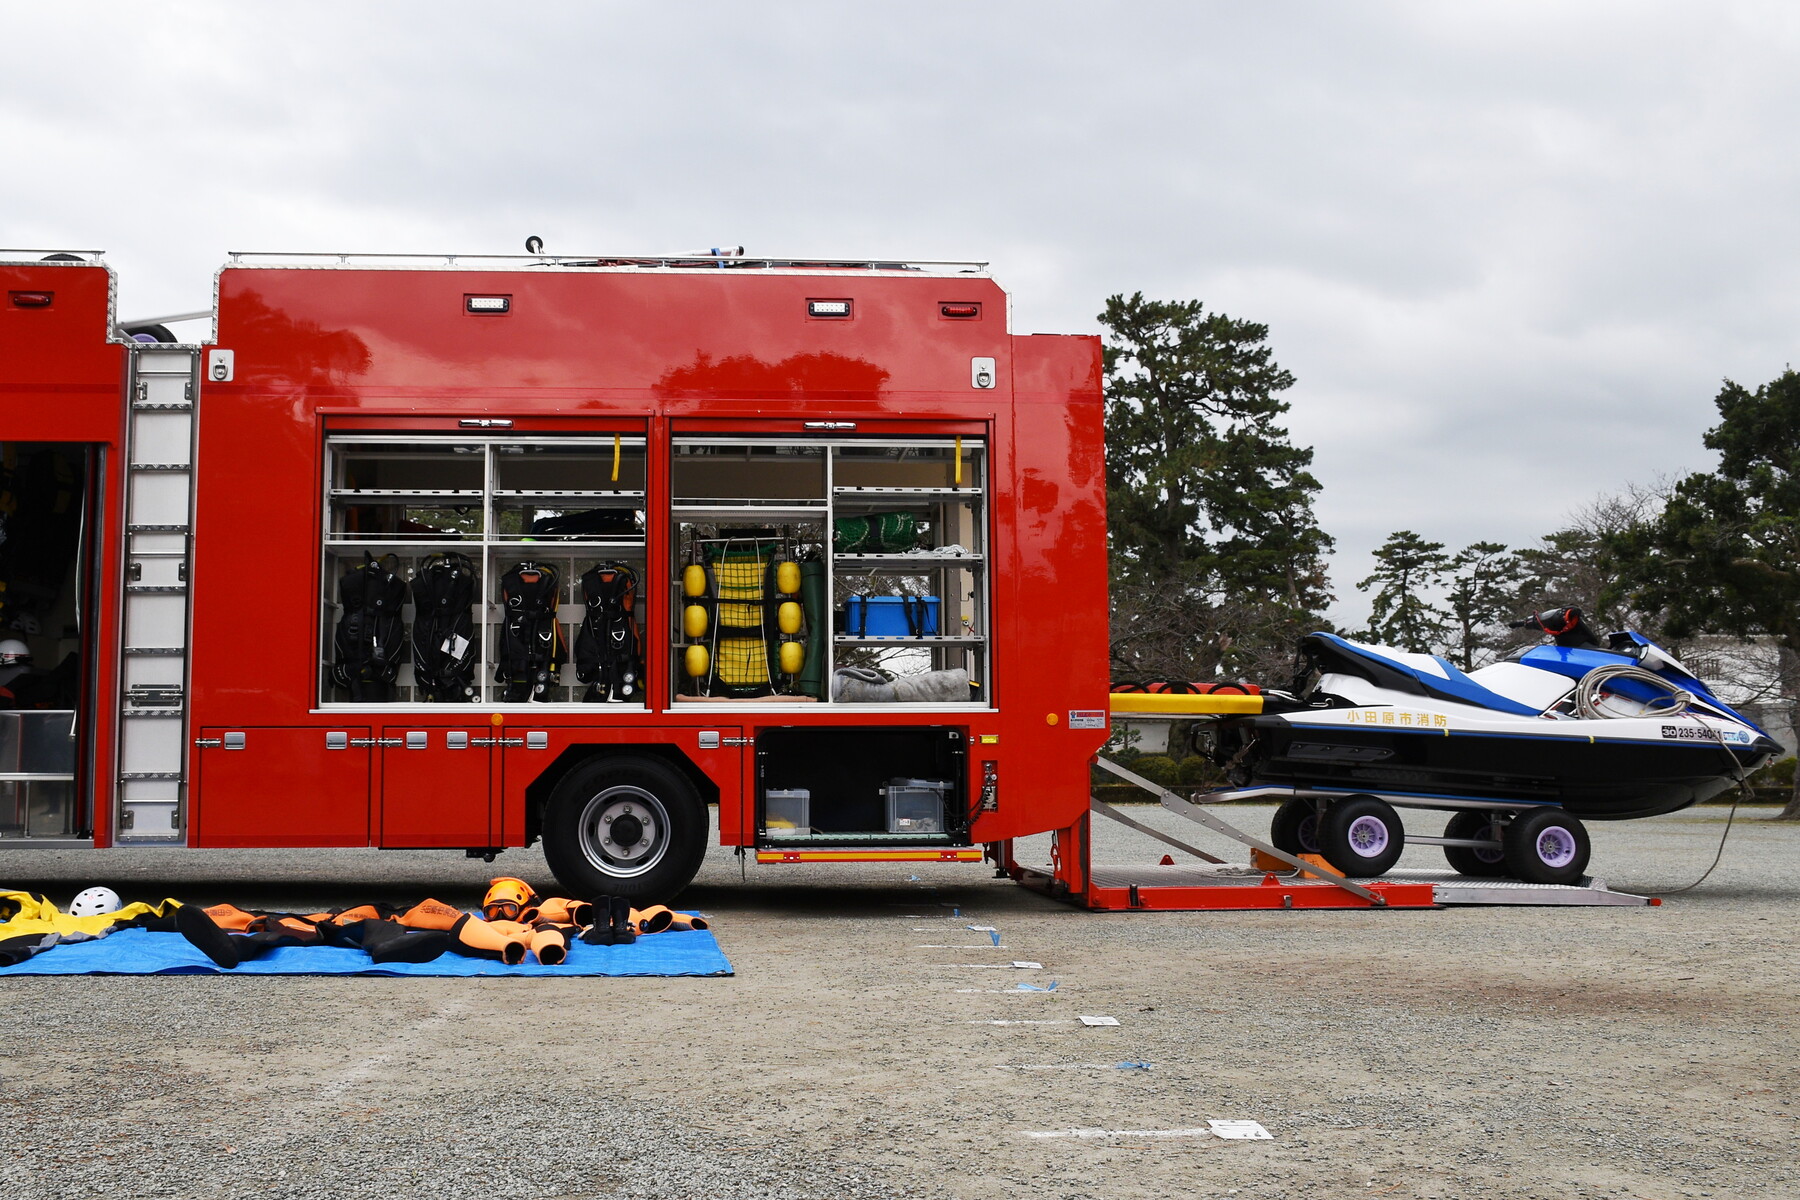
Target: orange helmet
507	899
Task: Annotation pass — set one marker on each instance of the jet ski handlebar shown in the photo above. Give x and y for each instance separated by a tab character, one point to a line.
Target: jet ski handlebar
1566	625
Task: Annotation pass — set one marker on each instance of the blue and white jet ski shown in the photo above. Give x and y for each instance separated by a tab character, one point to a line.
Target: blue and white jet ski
1520	751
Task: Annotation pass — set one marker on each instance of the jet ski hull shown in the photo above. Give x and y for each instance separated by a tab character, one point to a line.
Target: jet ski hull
1593	770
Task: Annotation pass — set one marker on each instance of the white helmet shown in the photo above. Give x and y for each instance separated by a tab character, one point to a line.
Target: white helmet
94	902
13	652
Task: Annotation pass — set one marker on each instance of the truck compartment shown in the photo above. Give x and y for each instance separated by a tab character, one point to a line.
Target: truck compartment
46	582
856	787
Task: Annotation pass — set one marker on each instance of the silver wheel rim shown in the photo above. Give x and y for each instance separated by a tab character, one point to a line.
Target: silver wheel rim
627	808
1368	836
1556	847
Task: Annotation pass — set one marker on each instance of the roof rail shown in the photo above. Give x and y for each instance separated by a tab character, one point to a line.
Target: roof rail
677	261
21	254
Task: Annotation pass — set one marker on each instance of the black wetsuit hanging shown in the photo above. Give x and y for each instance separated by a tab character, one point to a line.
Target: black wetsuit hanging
370	636
443	632
532	649
609	658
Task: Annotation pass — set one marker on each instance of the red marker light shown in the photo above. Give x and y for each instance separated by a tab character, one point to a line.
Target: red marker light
959	311
31	299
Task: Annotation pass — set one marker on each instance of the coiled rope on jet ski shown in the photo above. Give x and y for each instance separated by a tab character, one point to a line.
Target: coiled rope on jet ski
1590	693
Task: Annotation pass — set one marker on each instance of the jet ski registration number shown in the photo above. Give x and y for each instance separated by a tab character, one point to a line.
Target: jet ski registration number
1698	733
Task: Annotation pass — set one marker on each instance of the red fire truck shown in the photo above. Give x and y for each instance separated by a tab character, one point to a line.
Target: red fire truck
472	553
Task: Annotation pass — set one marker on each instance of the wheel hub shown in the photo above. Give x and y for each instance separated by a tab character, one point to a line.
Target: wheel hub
1368	836
1555	847
624	831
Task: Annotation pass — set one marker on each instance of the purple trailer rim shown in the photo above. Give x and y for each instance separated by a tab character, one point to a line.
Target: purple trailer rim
1556	847
1368	836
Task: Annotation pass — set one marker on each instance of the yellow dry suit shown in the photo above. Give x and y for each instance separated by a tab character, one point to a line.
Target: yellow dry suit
30	923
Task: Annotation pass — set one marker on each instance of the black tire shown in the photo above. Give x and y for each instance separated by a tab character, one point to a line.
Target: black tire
1361	836
1547	845
1295	828
1476	826
667	819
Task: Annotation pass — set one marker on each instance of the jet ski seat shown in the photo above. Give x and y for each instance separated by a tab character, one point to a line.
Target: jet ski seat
1442	680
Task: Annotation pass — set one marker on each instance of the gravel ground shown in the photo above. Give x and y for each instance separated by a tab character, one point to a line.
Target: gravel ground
1523	1052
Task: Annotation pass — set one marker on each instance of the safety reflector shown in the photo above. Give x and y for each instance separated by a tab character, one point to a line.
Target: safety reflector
31	299
488	304
827	308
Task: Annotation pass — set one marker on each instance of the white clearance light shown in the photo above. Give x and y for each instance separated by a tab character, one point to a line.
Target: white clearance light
488	304
827	308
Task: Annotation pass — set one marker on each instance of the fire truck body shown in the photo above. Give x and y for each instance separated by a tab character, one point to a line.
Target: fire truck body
865	524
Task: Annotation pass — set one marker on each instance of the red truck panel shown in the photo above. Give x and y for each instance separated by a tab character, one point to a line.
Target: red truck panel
646	352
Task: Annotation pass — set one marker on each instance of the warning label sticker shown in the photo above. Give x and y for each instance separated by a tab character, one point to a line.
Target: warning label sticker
1087	718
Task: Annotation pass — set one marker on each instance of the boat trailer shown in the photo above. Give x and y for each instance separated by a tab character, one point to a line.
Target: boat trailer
1273	878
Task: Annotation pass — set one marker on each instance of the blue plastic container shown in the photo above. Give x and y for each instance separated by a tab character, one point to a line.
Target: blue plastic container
890	616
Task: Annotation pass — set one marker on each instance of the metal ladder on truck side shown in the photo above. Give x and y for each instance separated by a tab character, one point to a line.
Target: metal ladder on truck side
163	389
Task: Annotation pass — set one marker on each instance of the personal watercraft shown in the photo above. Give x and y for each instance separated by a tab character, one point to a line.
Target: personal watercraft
1520	751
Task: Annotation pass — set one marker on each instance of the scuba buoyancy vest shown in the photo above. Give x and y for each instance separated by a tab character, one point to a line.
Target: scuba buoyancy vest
609	657
443	632
370	635
532	649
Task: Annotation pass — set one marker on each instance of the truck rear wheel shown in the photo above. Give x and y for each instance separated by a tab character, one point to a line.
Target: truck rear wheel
1361	836
1547	845
631	827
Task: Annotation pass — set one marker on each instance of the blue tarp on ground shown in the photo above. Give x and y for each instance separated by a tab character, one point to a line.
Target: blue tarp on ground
139	952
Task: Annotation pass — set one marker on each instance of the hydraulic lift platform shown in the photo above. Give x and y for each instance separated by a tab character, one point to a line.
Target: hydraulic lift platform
1274	880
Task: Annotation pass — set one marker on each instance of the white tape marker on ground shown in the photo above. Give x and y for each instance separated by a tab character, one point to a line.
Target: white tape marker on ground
1112	1133
1124	1066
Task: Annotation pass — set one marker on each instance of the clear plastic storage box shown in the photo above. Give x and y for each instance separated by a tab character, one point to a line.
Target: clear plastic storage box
787	812
916	805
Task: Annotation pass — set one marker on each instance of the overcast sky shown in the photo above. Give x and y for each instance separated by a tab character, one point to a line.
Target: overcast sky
1509	249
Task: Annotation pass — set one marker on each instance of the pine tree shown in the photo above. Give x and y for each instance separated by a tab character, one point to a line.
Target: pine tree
1407	568
1484	584
1217	558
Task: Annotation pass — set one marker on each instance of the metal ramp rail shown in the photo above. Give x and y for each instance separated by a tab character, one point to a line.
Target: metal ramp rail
1309	884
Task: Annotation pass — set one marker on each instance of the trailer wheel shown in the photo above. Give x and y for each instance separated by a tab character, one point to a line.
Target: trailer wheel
1547	845
631	827
1361	836
1476	826
1295	828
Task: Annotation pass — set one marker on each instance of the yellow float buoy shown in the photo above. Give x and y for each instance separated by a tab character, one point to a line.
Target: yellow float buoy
693	580
696	661
693	620
787	578
787	617
792	657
